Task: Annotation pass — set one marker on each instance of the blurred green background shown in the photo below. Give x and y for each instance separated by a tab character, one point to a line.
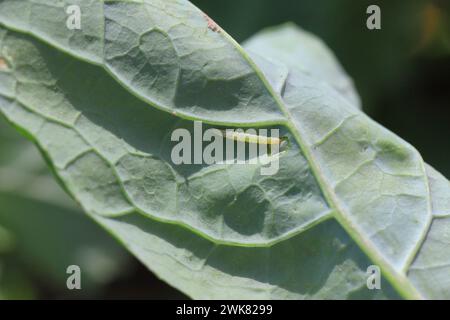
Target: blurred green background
402	73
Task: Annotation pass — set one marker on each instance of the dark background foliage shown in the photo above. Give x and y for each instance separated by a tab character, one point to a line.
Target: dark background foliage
402	73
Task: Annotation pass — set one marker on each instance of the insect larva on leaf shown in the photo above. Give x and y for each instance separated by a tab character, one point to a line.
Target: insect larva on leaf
239	135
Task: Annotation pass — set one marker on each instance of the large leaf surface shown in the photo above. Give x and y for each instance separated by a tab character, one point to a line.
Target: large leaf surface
101	103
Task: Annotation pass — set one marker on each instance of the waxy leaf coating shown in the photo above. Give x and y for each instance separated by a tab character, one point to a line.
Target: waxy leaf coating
101	103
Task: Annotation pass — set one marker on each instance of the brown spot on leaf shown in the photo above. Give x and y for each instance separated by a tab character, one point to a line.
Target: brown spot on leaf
211	24
3	64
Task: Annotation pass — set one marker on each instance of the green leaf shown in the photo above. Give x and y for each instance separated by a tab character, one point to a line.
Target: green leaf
301	50
40	226
101	103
